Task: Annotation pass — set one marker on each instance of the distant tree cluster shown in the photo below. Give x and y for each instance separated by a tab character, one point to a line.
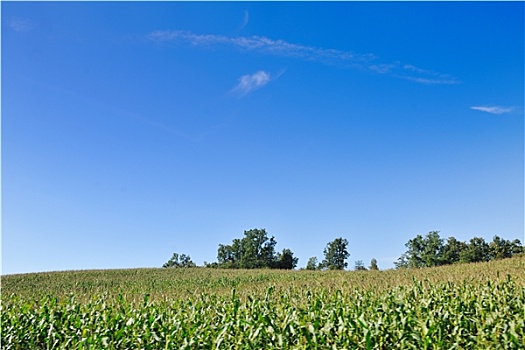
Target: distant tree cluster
177	260
360	266
432	250
254	251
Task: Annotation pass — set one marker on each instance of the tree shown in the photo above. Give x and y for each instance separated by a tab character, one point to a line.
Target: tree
258	249
422	251
312	264
430	251
177	260
452	251
286	261
225	255
336	254
517	247
373	265
402	262
500	248
359	266
255	250
477	251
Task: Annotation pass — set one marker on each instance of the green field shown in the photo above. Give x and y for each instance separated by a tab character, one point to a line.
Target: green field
474	306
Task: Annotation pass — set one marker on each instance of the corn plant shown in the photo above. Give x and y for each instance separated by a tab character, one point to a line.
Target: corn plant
475	306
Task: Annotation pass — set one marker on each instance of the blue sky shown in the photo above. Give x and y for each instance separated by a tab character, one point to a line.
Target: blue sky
131	131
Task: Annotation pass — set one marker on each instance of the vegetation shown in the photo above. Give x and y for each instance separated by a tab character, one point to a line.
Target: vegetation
373	264
462	306
359	265
335	254
312	264
254	251
432	251
177	260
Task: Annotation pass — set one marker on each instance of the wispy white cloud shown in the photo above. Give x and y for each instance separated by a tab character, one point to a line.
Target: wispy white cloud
432	80
493	109
245	20
425	76
263	44
341	58
248	83
20	25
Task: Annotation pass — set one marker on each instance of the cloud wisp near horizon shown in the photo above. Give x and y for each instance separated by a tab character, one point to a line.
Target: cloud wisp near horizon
345	59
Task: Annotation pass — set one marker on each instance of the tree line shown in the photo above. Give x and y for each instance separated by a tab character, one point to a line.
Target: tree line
256	250
432	250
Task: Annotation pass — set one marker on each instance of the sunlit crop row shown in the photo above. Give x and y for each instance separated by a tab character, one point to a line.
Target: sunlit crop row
478	306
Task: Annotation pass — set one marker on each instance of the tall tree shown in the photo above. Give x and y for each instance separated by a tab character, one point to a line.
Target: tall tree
312	264
402	261
335	254
433	247
422	251
414	254
373	265
477	251
501	248
452	251
259	250
517	247
286	260
255	250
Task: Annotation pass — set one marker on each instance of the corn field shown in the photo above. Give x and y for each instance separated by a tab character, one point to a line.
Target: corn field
474	306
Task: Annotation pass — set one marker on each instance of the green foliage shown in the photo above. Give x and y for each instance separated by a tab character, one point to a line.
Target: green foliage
431	251
470	306
423	251
286	260
359	266
373	265
336	254
254	251
177	260
312	264
452	251
501	249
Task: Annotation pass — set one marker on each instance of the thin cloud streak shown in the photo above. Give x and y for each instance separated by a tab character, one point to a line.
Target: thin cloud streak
432	81
428	77
345	59
245	20
493	109
258	43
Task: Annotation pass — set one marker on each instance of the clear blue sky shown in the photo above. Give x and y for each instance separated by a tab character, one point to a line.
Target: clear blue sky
131	131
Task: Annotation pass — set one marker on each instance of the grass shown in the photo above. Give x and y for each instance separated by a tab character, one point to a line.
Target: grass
474	306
